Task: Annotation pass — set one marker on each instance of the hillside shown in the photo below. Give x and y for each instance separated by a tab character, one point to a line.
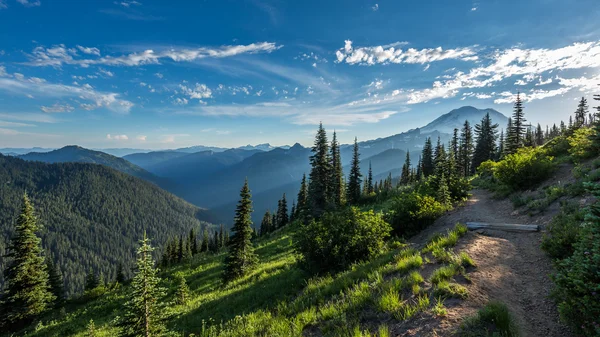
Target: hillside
446	123
92	215
150	159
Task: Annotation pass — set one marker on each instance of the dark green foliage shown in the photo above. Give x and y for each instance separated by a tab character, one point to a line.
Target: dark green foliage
427	159
486	135
90	213
517	128
336	183
354	178
183	291
205	241
319	174
341	238
91	281
577	283
580	113
405	176
411	212
193	240
302	207
282	213
56	282
524	169
241	258
465	150
369	183
144	310
120	278
493	320
266	225
595	137
562	232
27	293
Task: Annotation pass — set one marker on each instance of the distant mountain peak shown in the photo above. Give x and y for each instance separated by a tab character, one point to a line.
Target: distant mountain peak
446	123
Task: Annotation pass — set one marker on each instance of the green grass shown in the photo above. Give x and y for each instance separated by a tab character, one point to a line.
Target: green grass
445	289
493	320
445	241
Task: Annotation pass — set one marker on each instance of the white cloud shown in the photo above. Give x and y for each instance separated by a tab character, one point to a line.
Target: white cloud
159	75
180	101
200	91
106	73
345	119
542	82
39	87
375	8
473	9
29	3
59	55
89	50
116	137
3	71
141	138
56	108
3	4
14	124
383	55
127	3
29	117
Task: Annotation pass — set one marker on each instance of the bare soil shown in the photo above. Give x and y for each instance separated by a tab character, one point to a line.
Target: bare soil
511	268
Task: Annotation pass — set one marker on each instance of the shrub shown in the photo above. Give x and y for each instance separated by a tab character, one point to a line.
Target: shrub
411	212
577	282
563	232
524	169
559	146
493	320
581	144
342	238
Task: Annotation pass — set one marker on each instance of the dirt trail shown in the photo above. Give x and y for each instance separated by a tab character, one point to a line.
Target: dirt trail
512	268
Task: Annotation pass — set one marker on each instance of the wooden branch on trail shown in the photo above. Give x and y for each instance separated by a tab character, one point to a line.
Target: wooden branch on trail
503	227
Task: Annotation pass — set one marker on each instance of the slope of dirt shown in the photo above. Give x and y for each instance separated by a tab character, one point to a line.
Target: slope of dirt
511	268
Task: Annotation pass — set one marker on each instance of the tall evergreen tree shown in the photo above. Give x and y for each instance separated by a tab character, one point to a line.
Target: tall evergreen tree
486	135
193	242
55	280
427	158
580	113
454	145
266	226
183	291
336	183
355	177
241	258
293	212
144	309
120	273
205	240
419	172
318	188
465	149
539	135
222	240
370	180
282	213
180	249
302	207
27	290
516	135
405	174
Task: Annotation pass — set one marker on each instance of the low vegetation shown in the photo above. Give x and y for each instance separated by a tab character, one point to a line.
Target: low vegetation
493	320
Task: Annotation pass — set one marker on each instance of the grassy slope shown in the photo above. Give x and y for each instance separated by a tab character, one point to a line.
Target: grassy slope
279	298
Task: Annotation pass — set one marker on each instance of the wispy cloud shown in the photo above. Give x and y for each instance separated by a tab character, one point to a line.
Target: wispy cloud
29	117
89	50
117	137
375	8
58	55
57	108
14	124
30	3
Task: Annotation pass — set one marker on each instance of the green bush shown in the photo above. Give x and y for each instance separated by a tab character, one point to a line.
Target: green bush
342	238
563	232
577	278
411	212
524	169
581	144
493	320
557	147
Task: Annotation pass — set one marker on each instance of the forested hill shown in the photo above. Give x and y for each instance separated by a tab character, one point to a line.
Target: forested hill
77	154
92	215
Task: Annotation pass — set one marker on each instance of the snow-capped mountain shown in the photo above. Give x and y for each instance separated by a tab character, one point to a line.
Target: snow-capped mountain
456	118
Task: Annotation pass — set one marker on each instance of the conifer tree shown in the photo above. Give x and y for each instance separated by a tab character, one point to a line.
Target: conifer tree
266	226
529	139
183	291
241	258
180	249
205	240
439	155
419	172
282	213
486	135
539	135
405	174
465	149
120	273
454	145
90	329
55	280
91	281
336	184
580	113
427	158
301	208
516	135
144	310
318	187
500	152
355	177
369	188
193	242
595	136
443	193
222	239
27	290
293	212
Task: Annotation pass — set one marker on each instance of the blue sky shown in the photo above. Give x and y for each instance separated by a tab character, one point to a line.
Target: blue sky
157	74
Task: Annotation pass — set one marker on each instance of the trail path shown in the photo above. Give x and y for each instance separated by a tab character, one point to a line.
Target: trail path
511	267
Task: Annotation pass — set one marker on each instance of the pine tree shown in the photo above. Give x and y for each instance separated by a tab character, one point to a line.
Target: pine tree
465	150
336	183
405	174
90	329
293	212
580	113
91	281
318	188
539	135
222	239
205	240
193	241
595	136
55	280
454	145
516	135
370	180
120	273
183	291
486	135
282	213
443	193
180	249
301	208
354	178
427	158
241	258
419	172
144	310
27	289
266	226
500	152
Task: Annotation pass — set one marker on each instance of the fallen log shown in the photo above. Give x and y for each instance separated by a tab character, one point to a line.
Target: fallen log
503	227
